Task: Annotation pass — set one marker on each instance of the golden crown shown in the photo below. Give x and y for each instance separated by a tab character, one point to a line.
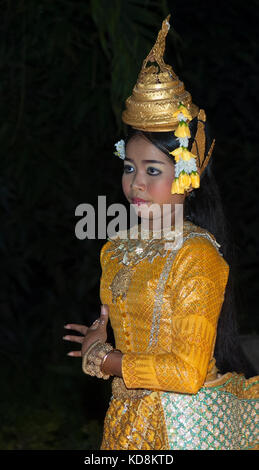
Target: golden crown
160	103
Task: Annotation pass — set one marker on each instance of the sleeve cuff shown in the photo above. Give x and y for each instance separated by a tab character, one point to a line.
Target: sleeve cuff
138	371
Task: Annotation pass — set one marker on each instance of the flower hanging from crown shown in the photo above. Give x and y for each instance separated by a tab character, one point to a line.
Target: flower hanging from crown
186	173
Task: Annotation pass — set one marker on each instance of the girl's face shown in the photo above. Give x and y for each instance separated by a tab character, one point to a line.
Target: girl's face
148	175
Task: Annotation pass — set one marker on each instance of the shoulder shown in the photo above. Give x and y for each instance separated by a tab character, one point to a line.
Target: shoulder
198	241
112	241
200	256
199	245
103	253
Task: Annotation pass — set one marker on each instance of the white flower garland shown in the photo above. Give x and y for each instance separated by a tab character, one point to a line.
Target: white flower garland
186	172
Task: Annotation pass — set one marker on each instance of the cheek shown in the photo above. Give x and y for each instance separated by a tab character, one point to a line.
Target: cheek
125	184
160	190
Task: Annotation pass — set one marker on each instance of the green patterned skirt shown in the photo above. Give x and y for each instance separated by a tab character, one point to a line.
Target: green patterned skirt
223	415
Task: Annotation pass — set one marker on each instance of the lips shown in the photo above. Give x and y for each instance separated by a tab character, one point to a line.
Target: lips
139	201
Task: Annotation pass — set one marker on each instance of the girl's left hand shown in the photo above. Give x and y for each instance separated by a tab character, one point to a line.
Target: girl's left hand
97	331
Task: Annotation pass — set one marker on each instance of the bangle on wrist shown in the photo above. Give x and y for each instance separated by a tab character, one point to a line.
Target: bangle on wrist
92	359
104	359
106	355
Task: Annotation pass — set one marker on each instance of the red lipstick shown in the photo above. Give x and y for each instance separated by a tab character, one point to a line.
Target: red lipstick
138	201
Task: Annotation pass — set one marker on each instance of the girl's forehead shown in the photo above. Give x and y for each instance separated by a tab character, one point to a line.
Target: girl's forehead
139	147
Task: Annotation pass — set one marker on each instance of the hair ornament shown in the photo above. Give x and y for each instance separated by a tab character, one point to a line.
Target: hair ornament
186	173
120	149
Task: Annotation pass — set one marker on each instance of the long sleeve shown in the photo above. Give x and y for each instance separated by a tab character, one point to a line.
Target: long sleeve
196	287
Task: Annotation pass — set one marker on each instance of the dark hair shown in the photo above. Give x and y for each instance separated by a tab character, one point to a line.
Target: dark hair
203	207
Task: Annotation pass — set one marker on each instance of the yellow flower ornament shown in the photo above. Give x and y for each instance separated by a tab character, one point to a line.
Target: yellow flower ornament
183	110
176	188
184	180
186	173
195	178
183	130
183	153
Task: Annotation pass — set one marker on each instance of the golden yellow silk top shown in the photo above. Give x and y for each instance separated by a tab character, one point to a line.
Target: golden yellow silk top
164	307
166	323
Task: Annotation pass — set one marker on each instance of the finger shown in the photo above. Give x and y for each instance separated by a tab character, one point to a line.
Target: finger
73	326
95	324
77	339
104	315
75	353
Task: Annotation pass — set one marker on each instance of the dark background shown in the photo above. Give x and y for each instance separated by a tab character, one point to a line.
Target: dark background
66	69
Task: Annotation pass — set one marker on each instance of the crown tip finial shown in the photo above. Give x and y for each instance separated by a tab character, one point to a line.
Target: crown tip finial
166	21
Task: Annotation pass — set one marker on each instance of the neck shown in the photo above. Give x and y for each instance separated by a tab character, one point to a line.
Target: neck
157	225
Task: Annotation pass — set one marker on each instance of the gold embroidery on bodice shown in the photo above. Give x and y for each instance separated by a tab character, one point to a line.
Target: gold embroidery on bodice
129	252
121	283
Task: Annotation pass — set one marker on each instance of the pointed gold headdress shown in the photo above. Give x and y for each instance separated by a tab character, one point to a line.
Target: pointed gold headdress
160	103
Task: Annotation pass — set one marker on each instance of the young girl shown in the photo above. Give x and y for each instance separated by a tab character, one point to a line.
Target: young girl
178	382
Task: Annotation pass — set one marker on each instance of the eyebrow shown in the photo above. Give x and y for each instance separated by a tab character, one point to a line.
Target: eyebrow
146	161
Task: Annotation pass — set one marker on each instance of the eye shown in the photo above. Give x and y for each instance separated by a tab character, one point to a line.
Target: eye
157	171
151	170
126	167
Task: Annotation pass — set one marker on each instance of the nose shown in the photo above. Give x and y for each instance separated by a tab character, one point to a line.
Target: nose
138	182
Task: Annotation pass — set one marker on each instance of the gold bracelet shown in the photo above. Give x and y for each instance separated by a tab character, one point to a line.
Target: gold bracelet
86	354
97	356
104	359
93	358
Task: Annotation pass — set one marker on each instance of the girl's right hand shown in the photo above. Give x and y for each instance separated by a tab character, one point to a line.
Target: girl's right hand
89	334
